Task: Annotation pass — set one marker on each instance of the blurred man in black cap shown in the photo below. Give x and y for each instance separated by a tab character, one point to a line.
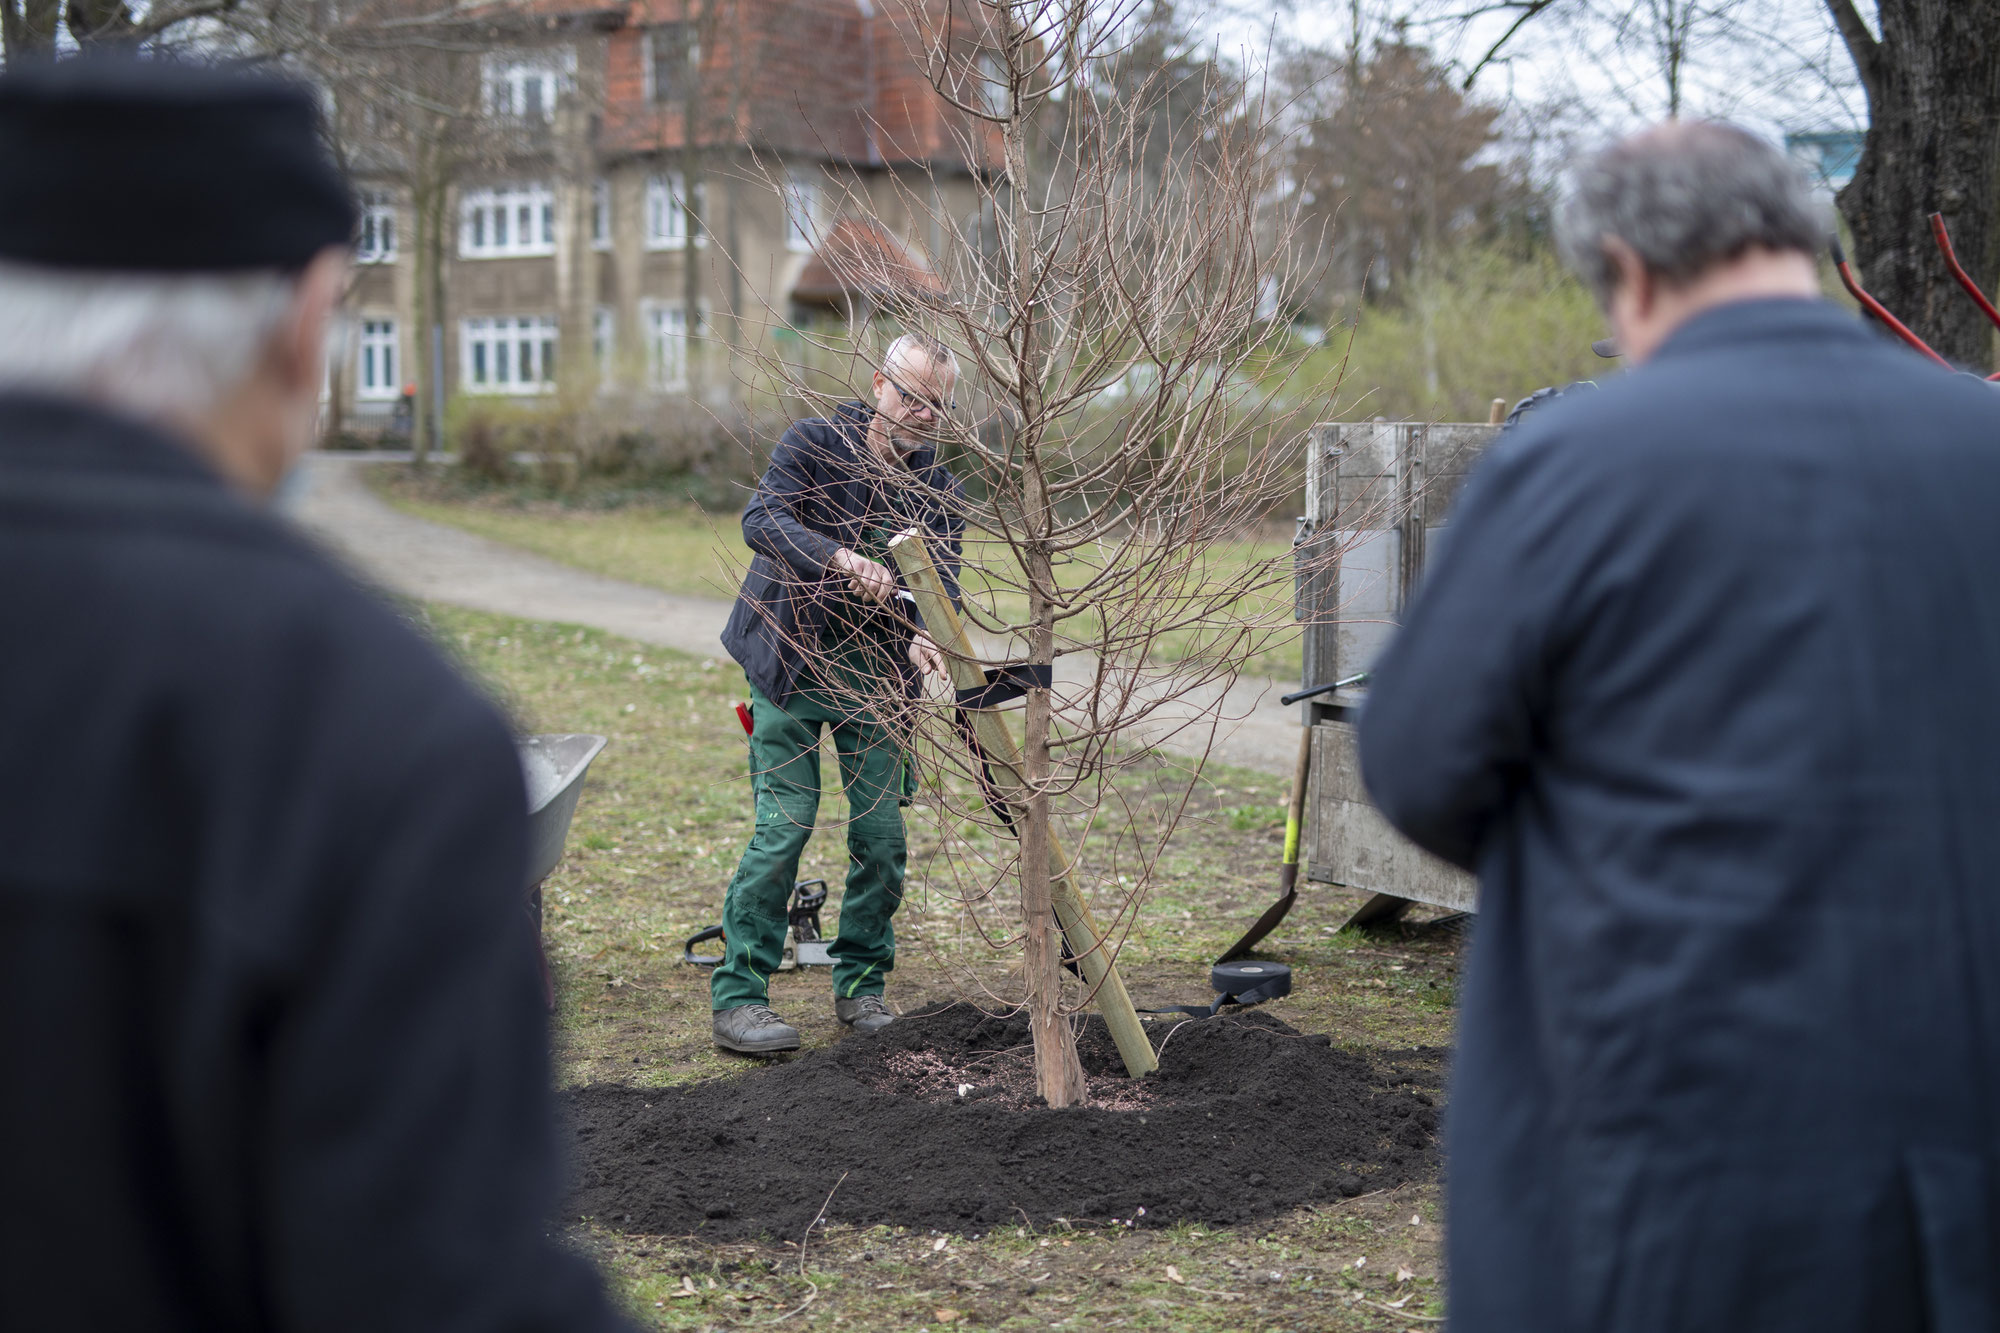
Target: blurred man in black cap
271	1029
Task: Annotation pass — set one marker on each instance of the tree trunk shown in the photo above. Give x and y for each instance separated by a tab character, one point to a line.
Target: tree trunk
693	168
427	211
1058	1072
1933	85
29	27
97	22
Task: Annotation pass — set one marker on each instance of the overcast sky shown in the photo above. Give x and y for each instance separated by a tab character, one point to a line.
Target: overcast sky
1772	65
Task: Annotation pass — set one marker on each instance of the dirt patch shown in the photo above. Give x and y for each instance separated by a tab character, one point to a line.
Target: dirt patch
1246	1118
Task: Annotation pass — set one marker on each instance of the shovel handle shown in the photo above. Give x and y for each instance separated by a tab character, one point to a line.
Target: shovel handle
1313	691
1295	808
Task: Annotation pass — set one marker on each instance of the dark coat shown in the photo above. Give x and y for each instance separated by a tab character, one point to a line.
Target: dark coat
269	1020
1705	684
822	492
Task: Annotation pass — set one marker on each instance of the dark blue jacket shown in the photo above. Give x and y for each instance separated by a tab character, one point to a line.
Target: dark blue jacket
823	491
1706	686
269	1017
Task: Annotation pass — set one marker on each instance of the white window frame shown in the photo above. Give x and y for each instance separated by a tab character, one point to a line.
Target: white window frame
507	354
802	205
524	85
376	362
666	219
489	222
649	62
603	336
376	243
667	346
600	214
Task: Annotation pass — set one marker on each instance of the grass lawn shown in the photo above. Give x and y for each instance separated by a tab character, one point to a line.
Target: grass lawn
661	823
681	549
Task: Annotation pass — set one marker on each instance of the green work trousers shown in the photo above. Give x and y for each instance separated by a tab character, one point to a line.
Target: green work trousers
784	775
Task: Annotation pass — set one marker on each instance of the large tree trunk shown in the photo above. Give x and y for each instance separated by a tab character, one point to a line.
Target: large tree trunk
1933	85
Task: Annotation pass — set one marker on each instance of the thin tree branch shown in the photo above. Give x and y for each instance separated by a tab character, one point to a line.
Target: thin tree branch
1528	11
1862	46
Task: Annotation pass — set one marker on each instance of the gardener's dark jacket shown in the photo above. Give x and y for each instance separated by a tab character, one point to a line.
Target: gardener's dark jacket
824	491
1705	684
272	1048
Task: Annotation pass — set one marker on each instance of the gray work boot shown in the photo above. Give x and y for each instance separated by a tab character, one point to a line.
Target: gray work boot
754	1030
863	1013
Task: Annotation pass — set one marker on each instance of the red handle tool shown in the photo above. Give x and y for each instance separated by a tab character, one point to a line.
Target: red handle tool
1875	307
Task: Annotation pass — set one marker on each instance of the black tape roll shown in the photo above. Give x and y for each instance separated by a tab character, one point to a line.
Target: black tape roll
1237	983
1250	983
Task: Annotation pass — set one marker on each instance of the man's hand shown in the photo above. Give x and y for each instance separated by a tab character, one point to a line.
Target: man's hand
871	580
925	657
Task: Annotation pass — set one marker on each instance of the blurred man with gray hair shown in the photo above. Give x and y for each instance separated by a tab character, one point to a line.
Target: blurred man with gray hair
1702	685
272	1030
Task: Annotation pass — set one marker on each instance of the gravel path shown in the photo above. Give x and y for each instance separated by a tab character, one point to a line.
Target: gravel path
432	562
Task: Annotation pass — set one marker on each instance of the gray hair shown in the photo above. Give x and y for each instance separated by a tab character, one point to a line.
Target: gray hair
922	344
1686	195
154	345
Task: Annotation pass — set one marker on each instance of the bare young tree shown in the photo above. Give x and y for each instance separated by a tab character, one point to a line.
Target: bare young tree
1129	417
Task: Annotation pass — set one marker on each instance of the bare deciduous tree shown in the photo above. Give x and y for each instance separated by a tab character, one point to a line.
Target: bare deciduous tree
1125	425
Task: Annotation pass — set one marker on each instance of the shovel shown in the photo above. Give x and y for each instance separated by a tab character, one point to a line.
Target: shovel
1295	813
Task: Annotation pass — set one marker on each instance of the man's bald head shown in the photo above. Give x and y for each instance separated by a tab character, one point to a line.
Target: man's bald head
1686	196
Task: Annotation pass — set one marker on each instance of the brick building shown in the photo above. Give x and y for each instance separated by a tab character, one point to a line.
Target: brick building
640	195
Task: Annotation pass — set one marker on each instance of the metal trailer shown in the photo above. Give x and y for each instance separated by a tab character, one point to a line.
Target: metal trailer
1377	494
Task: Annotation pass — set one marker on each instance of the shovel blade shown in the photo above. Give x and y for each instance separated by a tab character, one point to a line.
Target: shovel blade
1263	926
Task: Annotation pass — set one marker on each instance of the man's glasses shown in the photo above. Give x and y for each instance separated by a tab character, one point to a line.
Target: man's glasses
936	409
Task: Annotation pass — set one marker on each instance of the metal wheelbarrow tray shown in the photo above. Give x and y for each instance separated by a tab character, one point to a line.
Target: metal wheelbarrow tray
554	767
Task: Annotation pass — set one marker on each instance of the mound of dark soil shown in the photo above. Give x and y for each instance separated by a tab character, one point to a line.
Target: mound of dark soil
1245	1118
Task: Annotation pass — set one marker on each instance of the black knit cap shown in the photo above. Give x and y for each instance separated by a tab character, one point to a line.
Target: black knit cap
153	166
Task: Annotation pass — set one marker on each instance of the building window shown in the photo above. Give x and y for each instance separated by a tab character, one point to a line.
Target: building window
377	244
666	213
667	346
525	87
377	381
993	93
672	63
603	335
600	215
517	220
508	354
801	210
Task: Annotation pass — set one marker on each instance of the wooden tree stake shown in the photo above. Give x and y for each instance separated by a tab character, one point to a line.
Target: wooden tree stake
1003	755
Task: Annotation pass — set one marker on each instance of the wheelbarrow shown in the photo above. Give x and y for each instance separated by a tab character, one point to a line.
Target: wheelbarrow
554	767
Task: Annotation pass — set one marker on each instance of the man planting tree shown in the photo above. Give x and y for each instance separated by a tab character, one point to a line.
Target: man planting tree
817	632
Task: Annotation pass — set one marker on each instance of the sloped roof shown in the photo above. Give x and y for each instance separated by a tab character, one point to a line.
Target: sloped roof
858	257
839	79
